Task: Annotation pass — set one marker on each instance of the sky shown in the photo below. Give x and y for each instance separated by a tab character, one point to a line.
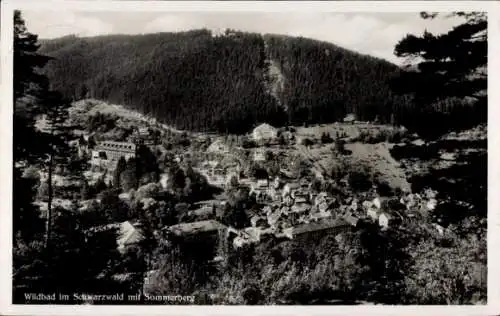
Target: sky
371	33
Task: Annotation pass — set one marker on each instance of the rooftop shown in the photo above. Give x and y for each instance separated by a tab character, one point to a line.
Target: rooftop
195	227
317	226
116	145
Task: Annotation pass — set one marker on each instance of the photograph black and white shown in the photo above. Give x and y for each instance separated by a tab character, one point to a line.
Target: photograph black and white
249	158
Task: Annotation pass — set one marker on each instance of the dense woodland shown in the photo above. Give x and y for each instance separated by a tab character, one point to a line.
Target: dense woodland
195	81
54	252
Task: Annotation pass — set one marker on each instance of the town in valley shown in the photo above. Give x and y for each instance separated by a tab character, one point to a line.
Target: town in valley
271	202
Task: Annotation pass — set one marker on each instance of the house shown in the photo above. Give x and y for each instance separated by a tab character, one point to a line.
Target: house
439	228
209	235
323	207
259	154
262	183
284	210
287	200
143	131
204	211
351	220
274	194
316	230
372	213
261	196
276	183
290	188
218	147
301	199
142	135
267	209
377	203
350	118
320	198
386	220
128	235
300	208
272	218
286	174
264	133
300	195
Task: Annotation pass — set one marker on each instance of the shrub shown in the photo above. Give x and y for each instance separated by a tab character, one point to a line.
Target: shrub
248	143
375	136
326	138
384	189
340	146
359	180
307	142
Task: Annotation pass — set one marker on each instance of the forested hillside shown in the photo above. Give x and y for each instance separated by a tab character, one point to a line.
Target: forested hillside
196	81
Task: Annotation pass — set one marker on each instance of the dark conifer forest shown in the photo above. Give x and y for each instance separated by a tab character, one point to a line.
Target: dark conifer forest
195	81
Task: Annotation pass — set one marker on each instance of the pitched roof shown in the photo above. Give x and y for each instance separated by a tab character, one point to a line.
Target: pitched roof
317	226
264	127
351	220
111	145
128	234
195	227
350	117
218	146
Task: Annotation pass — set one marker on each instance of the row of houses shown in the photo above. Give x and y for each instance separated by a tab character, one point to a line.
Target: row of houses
221	237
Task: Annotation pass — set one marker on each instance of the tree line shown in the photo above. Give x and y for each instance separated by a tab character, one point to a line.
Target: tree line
195	81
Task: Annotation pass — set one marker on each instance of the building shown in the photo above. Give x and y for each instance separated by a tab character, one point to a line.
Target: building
350	118
264	133
260	185
112	151
277	183
128	235
203	212
208	236
386	220
372	213
323	207
290	189
352	220
208	228
218	147
316	230
142	135
259	154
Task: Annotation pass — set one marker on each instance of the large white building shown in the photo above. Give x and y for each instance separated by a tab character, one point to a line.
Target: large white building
110	150
264	132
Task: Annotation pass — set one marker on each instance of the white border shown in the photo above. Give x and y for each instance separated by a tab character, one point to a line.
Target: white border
7	7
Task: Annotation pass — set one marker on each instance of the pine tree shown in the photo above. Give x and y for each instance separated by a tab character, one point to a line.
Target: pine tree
56	141
446	67
29	85
120	167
